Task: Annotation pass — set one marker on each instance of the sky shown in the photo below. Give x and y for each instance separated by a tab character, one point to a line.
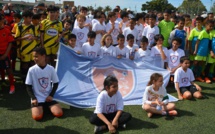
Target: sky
123	3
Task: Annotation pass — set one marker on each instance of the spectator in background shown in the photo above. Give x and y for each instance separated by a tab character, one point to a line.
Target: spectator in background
66	15
74	14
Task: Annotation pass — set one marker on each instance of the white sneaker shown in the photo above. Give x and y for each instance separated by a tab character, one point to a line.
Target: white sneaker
97	129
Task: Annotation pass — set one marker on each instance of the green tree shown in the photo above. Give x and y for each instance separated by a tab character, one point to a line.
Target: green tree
90	8
158	5
213	8
192	7
99	8
107	9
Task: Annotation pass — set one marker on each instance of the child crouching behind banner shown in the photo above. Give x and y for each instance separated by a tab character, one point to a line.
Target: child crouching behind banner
109	108
155	99
39	87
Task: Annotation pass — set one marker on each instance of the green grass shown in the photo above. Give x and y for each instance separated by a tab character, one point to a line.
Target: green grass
195	116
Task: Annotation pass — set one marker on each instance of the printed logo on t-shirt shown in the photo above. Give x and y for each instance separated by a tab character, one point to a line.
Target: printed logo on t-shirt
92	54
80	35
43	82
115	32
185	80
110	108
140	33
106	54
173	58
151	36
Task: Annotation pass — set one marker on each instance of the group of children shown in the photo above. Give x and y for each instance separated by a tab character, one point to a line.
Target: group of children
166	43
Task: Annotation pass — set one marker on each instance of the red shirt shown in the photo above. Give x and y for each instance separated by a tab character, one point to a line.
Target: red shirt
5	39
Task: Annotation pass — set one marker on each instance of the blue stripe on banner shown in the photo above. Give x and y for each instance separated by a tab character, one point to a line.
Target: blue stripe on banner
81	78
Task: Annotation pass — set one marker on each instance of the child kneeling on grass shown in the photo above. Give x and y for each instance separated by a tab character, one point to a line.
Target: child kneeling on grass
184	84
155	98
109	108
39	87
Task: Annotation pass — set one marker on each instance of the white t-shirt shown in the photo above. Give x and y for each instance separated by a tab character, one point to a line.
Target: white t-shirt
173	57
124	24
115	32
41	79
132	49
151	95
155	53
108	51
98	27
124	52
139	28
94	21
81	35
88	21
106	104
150	33
128	31
76	49
142	53
183	78
91	51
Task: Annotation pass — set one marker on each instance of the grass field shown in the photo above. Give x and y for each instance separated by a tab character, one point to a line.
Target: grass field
195	116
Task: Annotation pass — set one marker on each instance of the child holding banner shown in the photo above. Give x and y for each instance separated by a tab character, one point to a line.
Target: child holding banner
155	98
109	108
107	48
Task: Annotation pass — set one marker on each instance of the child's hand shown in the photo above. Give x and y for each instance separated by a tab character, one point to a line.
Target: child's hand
49	99
212	54
180	97
111	128
160	47
119	56
78	52
86	25
34	102
198	88
194	53
115	123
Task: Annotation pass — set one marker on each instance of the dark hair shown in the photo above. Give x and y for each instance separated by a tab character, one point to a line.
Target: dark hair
133	19
123	14
99	15
110	14
71	36
154	77
17	15
160	18
209	22
69	21
180	19
115	10
27	13
158	36
186	16
83	8
120	36
139	16
91	34
153	16
51	8
130	36
167	11
36	16
40	50
144	39
199	19
109	80
183	58
179	40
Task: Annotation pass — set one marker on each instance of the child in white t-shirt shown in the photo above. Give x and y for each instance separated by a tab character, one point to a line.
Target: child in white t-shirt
72	43
107	49
139	27
109	108
80	31
174	55
39	81
158	52
90	48
121	50
184	84
131	30
99	27
155	98
143	52
131	46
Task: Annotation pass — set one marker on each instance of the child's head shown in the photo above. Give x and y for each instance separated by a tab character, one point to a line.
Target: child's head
185	62
139	18
72	40
146	18
176	42
132	23
91	37
81	20
121	39
159	39
180	23
144	43
210	16
36	19
83	11
116	11
27	16
52	12
187	19
112	16
152	19
111	85
156	79
130	39
101	16
17	17
67	24
209	25
106	40
167	14
199	21
39	55
124	16
174	20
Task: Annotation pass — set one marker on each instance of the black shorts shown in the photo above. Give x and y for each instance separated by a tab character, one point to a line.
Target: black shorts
5	64
190	88
45	104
